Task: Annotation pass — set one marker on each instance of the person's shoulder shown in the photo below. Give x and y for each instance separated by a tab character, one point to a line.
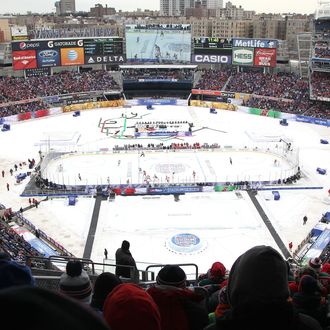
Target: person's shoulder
307	322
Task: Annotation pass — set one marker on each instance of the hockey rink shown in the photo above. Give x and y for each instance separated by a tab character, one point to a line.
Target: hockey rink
226	224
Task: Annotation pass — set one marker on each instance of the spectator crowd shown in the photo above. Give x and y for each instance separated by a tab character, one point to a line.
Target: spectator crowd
261	290
284	92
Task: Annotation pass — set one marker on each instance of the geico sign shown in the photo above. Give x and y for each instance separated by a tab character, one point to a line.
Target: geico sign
211	59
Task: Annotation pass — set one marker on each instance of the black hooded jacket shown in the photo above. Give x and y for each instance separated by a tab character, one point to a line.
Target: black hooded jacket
258	294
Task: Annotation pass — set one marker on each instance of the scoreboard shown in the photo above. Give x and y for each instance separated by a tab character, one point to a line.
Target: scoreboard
212	43
212	50
103	46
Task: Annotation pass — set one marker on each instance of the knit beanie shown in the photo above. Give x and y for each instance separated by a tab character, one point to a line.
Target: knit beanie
103	285
308	285
128	306
27	307
172	275
217	270
75	282
14	274
326	268
315	263
258	276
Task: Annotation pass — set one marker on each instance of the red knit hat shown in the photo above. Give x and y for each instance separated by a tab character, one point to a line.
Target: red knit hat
315	263
128	306
326	268
217	270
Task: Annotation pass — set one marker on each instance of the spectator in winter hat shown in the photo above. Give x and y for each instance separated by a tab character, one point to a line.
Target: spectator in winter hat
75	282
315	263
215	275
172	275
294	286
180	308
128	306
308	299
324	277
326	268
222	306
104	284
258	294
40	309
14	274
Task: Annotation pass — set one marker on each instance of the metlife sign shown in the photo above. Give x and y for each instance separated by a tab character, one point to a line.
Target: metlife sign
255	43
243	56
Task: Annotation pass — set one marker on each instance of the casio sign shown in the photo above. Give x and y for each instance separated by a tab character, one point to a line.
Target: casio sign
211	59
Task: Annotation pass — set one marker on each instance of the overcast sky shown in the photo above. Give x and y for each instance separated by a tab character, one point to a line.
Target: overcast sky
269	6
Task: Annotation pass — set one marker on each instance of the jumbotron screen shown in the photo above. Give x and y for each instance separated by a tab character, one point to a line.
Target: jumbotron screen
158	43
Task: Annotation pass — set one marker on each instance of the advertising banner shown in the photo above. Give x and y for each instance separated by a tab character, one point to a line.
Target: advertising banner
216	105
105	59
26	45
243	56
214	93
70	52
25	59
265	57
19	32
254	43
63	43
156	101
72	56
48	58
206	58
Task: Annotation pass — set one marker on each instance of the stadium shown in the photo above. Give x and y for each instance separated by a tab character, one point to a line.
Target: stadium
194	152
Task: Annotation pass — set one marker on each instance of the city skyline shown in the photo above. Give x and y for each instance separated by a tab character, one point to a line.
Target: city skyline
47	6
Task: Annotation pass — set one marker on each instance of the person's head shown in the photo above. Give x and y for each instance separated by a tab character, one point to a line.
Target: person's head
315	263
172	275
128	306
217	271
14	274
125	245
41	309
76	283
74	268
258	276
326	268
104	284
308	285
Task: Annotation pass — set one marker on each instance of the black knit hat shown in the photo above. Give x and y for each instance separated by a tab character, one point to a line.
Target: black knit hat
74	268
172	275
104	284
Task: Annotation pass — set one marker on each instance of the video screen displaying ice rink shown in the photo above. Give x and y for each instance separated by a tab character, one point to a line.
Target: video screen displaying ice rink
158	43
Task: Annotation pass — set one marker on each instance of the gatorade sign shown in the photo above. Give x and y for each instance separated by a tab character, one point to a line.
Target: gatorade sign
243	56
